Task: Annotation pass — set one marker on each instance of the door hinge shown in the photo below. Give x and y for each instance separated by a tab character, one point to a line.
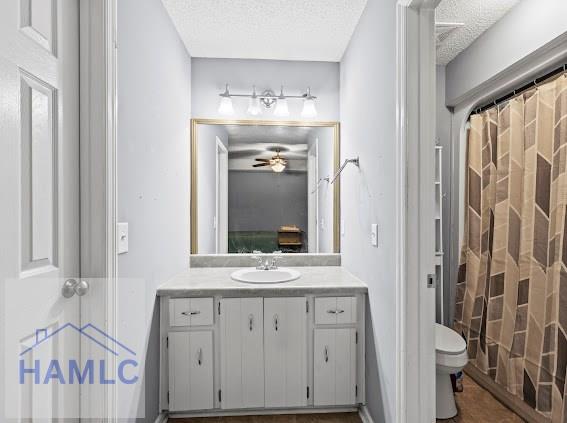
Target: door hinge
168	397
355	391
219	308
167	342
356	337
220	395
307	306
308	392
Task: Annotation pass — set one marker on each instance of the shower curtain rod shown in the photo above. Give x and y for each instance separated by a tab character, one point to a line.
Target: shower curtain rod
522	89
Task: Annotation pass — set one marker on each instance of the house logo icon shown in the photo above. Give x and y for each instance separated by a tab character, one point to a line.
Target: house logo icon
78	370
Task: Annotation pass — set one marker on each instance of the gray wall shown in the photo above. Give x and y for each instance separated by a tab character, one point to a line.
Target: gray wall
368	117
206	181
154	107
264	201
526	28
209	77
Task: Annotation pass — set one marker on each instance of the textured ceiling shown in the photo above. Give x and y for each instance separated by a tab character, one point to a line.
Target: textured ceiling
266	29
476	15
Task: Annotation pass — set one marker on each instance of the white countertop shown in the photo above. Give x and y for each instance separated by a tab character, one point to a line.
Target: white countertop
208	281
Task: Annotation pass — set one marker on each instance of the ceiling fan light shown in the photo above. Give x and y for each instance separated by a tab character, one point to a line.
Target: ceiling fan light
281	108
278	167
309	111
225	106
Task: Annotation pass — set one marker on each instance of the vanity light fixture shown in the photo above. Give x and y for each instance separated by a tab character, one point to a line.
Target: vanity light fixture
254	104
281	106
225	107
309	111
267	99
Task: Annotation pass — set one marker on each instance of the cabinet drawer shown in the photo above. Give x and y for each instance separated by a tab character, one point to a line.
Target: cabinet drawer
190	311
335	310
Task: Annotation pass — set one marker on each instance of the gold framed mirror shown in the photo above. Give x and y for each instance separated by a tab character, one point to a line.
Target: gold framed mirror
260	149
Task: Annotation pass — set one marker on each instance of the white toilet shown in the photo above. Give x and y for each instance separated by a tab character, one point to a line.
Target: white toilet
451	357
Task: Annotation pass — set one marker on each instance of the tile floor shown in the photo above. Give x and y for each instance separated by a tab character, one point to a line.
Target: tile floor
477	405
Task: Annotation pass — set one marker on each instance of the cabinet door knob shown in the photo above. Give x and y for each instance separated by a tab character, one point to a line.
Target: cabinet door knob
250	321
326	354
200	356
276	322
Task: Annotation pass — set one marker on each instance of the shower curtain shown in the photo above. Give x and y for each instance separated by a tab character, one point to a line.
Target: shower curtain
511	299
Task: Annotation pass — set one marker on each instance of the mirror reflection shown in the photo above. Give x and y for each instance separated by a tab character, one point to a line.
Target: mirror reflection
263	188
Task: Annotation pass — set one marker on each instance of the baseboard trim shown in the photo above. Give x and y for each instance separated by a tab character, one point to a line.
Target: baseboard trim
365	414
263	411
161	418
501	394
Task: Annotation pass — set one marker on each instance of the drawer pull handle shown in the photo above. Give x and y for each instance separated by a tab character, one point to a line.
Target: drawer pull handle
326	354
250	321
200	356
335	311
190	313
276	322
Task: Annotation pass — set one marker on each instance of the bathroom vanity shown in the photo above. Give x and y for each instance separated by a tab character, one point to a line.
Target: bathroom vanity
229	347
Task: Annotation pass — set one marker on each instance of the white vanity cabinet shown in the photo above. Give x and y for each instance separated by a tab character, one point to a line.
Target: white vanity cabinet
261	353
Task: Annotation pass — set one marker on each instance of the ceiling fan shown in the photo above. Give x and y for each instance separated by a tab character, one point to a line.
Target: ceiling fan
277	162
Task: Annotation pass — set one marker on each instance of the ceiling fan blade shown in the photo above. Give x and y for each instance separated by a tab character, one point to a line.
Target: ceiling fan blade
262	160
261	164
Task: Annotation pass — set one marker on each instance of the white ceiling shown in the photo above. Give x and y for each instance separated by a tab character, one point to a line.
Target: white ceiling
476	15
316	30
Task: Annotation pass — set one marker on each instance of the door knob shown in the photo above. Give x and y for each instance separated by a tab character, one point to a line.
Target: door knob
72	287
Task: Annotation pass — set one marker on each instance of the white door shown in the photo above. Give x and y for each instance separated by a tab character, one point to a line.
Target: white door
190	370
221	221
242	353
334	367
39	213
312	198
285	352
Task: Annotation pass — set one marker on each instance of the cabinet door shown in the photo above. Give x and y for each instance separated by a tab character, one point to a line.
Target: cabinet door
200	370
285	352
334	364
190	370
242	353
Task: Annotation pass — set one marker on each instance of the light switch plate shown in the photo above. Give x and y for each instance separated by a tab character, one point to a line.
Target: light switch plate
374	234
122	235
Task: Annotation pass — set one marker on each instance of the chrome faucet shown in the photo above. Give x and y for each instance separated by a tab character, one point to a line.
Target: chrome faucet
266	264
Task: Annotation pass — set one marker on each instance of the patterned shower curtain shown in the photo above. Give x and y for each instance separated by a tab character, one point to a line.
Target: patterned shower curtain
511	301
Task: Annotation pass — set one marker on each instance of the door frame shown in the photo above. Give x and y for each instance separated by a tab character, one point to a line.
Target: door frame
98	154
415	146
310	194
220	194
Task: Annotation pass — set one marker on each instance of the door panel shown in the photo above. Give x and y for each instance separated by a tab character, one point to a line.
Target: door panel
324	367
200	370
242	353
285	352
39	217
334	364
179	371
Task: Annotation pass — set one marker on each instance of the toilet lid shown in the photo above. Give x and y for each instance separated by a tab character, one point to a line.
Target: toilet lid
447	341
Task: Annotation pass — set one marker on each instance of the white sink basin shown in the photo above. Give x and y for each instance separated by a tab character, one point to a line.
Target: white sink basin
253	275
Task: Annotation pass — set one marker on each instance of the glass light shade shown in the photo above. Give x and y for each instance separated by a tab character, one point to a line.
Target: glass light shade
281	109
278	167
225	107
254	106
309	110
